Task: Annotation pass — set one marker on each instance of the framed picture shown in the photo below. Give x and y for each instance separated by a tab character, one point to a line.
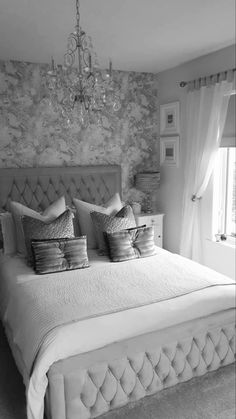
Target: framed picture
169	151
169	118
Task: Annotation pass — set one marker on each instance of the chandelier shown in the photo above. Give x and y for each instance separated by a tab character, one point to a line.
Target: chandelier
78	89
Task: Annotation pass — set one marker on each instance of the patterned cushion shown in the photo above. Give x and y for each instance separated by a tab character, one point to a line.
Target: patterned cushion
107	224
83	212
61	227
19	210
57	255
131	244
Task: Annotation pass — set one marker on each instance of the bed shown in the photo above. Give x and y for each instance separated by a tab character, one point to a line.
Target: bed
129	340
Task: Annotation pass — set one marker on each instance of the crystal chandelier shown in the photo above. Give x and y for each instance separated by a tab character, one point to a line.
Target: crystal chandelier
78	89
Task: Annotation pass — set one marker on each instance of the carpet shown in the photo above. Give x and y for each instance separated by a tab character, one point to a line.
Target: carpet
209	397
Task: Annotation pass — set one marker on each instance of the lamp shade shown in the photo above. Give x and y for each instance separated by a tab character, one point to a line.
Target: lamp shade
147	181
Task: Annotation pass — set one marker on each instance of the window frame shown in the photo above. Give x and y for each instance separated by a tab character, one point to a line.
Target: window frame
223	195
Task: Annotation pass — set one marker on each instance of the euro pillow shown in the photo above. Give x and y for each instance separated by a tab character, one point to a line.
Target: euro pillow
104	223
7	234
132	243
57	255
84	209
19	210
61	227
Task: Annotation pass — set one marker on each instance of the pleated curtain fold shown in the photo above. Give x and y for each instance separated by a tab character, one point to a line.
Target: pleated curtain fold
206	115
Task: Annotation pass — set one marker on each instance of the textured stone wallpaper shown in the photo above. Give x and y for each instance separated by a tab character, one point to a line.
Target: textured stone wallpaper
33	134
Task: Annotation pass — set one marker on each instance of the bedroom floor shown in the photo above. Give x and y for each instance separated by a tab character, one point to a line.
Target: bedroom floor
210	397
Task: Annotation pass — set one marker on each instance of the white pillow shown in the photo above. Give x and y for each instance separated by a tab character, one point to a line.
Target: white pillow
8	233
84	210
19	210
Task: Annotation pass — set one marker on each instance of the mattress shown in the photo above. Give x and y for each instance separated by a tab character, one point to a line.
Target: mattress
90	334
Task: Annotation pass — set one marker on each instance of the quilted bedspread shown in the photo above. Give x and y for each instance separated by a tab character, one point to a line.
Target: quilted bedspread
52	300
37	309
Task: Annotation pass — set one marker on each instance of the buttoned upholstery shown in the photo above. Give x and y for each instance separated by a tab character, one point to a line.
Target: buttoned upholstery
92	391
39	187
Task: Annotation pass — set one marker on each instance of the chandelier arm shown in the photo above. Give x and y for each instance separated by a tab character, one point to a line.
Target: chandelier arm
79	63
69	59
70	52
72	42
91	76
88	63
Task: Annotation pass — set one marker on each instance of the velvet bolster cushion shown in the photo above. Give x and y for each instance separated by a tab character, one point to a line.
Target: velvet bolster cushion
132	243
57	255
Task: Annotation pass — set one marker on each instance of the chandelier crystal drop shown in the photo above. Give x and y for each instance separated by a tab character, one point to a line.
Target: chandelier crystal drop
78	89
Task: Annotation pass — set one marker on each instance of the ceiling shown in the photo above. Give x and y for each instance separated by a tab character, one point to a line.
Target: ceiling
138	35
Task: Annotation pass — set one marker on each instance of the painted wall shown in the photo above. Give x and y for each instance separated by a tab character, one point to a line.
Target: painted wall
172	179
33	134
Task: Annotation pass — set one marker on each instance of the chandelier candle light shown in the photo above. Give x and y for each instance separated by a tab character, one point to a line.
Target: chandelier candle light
78	92
148	182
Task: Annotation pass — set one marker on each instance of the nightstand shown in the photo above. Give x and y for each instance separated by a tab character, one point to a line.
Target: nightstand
154	219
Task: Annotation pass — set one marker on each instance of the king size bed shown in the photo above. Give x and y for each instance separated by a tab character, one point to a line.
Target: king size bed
90	340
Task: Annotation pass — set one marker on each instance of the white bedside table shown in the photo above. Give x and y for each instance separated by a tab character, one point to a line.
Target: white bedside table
154	219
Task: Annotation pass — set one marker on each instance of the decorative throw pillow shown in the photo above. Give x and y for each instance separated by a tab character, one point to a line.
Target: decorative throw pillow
108	224
7	233
131	244
61	227
58	255
19	210
83	212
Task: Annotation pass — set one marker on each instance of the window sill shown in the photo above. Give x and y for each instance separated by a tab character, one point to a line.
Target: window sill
225	243
220	256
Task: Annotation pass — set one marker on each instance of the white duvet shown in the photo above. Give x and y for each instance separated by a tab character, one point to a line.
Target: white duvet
179	291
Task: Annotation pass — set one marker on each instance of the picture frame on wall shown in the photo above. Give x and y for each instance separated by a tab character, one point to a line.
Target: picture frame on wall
169	151
169	118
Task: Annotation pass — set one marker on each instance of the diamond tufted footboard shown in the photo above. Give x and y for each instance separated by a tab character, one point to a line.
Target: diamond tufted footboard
88	385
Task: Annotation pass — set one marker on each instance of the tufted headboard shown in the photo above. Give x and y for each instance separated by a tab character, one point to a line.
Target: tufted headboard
38	187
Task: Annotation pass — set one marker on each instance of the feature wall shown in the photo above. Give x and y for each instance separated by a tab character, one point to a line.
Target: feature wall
33	134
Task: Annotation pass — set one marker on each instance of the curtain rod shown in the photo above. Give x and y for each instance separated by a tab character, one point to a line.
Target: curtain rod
185	83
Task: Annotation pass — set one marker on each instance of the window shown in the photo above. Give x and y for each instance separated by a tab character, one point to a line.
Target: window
224	195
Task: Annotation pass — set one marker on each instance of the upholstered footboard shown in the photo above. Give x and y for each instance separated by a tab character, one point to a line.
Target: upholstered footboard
88	385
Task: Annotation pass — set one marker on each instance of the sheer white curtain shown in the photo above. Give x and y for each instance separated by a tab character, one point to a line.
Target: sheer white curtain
206	114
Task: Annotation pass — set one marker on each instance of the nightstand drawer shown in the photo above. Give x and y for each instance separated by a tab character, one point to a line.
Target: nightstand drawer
157	230
157	234
149	221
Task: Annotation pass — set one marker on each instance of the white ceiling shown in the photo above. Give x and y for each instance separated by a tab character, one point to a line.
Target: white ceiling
139	35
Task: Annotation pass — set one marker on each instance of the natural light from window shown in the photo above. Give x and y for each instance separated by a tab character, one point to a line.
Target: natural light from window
224	195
